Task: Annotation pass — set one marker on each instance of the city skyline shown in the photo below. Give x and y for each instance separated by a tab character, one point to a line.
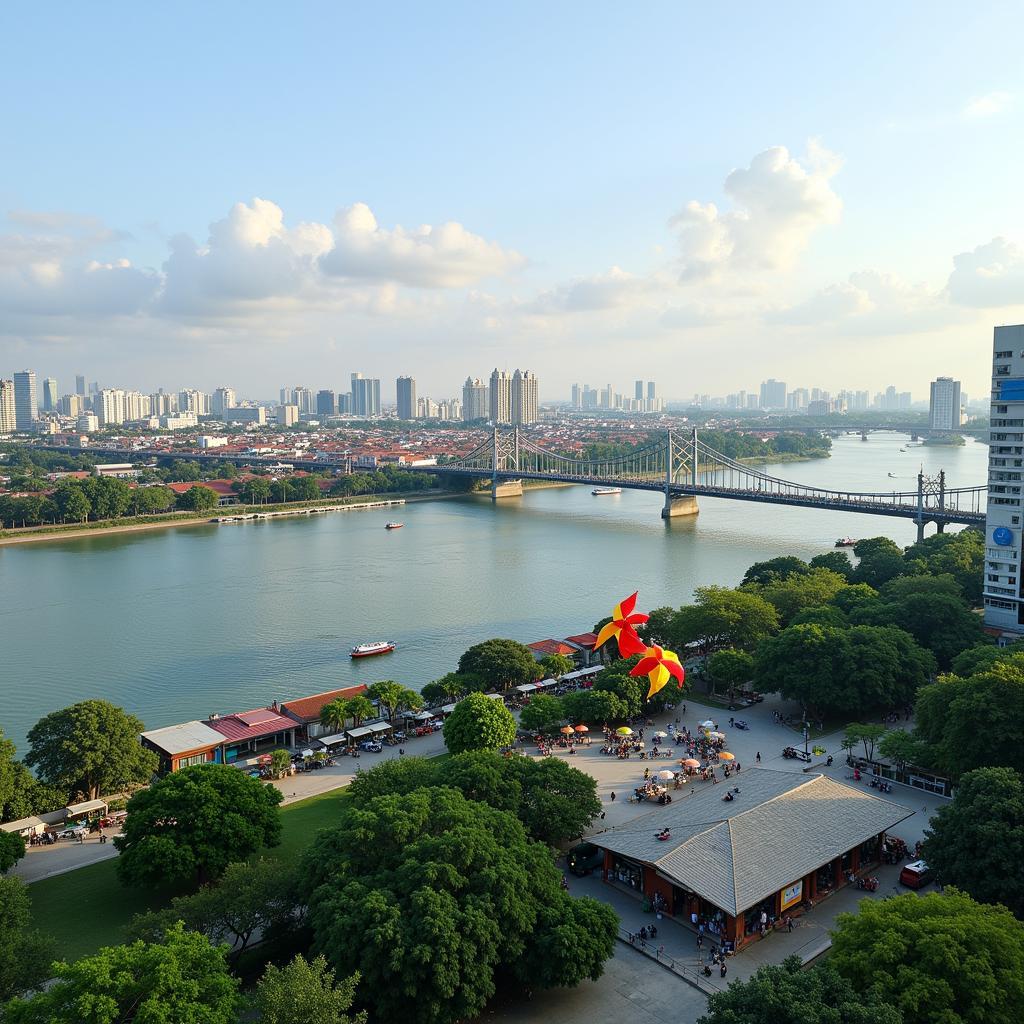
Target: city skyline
693	230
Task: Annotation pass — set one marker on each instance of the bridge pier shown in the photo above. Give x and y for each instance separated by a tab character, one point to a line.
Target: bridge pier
679	505
506	489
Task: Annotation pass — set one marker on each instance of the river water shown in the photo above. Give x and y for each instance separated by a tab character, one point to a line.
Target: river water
175	624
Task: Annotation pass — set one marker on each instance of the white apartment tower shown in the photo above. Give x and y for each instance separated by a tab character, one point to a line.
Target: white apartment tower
223	399
525	406
474	400
944	404
8	418
1004	606
501	397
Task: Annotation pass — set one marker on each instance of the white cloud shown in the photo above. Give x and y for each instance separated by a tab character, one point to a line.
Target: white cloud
989	275
614	289
442	256
49	289
989	105
779	203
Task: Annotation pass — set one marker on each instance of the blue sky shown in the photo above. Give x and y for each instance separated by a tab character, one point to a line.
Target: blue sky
562	141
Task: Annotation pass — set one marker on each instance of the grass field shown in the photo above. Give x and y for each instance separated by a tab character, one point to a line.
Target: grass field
89	908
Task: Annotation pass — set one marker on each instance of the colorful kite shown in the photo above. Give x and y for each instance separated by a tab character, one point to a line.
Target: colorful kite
659	666
623	628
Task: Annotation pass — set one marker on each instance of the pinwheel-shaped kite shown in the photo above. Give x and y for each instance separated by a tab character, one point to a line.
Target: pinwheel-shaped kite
659	666
623	628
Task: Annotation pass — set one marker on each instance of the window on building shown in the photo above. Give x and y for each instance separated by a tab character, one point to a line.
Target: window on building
187	762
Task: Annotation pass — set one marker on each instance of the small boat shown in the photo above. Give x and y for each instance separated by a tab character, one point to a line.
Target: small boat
845	542
368	650
893	475
393	526
598	491
903	449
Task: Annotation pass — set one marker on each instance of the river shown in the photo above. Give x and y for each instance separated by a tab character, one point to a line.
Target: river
175	624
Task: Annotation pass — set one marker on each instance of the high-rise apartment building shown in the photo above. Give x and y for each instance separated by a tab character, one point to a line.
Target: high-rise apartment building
26	400
326	403
109	406
287	396
1004	607
365	395
191	400
344	403
525	404
79	384
652	392
8	416
406	392
638	390
475	400
305	400
163	404
71	405
773	394
50	396
944	404
500	397
577	397
223	399
287	415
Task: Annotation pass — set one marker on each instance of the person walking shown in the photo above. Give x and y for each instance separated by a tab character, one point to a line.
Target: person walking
722	970
613	798
759	757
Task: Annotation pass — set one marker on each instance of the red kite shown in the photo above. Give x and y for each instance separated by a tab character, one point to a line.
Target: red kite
659	666
623	628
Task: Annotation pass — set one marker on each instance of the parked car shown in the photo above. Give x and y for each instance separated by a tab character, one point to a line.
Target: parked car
916	875
584	858
371	746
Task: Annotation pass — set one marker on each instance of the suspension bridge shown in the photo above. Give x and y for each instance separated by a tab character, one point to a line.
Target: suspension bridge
684	468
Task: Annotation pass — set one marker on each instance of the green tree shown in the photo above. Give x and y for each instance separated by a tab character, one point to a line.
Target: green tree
972	841
555	665
788	994
823	615
878	561
595	707
544	713
305	488
556	801
479	723
393	697
775	569
730	668
961	555
182	978
254	491
856	595
630	690
25	953
812	589
939	959
90	748
660	628
429	895
304	992
71	501
982	657
503	663
835	561
280	762
449	687
188	826
198	499
334	714
867	734
394	777
899	747
150	500
725	618
12	849
360	708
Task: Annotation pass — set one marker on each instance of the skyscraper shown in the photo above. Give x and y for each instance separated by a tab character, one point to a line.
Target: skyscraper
223	399
652	392
638	390
773	394
944	404
500	397
8	417
474	400
326	403
305	400
577	396
26	402
365	395
1004	609
525	407
406	389
50	396
80	385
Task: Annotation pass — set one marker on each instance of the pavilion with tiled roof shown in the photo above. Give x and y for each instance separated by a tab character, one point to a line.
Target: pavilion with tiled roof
785	839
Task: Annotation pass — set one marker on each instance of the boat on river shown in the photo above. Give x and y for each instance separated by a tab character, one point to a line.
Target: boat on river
393	526
599	491
369	650
846	542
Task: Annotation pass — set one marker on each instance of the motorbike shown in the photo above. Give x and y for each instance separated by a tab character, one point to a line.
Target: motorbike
740	725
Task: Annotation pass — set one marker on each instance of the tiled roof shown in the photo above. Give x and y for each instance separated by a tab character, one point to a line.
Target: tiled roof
781	826
582	639
551	647
307	709
179	739
251	725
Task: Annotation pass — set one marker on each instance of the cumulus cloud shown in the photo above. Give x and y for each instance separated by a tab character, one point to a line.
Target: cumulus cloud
615	289
442	256
778	203
989	105
52	289
989	275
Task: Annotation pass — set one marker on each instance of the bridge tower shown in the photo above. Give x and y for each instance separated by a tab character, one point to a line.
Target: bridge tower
505	457
679	504
933	486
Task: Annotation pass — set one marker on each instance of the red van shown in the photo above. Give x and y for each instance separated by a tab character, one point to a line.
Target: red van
916	875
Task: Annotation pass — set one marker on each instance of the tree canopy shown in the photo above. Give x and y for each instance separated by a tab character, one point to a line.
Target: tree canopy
305	992
973	842
393	697
788	994
961	555
774	569
182	978
479	723
502	663
190	825
938	958
721	617
878	561
796	592
12	849
89	749
429	895
543	714
25	953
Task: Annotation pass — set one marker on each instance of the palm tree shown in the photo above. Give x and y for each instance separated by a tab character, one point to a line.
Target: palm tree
334	715
359	708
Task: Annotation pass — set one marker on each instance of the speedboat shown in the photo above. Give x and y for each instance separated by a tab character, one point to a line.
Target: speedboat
845	542
599	491
393	526
377	647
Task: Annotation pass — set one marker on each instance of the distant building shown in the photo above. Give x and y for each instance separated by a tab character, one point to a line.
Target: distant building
944	404
209	441
80	385
773	394
287	415
525	407
191	400
474	400
255	415
500	408
326	403
365	395
50	395
8	416
223	400
577	396
26	401
406	391
88	423
638	390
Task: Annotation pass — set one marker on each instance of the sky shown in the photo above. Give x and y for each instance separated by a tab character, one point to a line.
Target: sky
257	195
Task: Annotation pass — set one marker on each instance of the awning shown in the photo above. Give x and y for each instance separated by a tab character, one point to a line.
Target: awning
583	673
527	688
306	753
447	709
419	716
495	696
378	728
86	807
546	682
360	733
328	741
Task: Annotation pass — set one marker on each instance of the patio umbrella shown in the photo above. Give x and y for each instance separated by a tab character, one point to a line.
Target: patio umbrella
624	730
660	735
690	763
724	755
567	730
666	775
707	725
717	735
582	728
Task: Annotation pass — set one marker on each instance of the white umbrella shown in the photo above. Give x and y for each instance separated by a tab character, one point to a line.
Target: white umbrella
707	725
666	775
660	735
717	735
